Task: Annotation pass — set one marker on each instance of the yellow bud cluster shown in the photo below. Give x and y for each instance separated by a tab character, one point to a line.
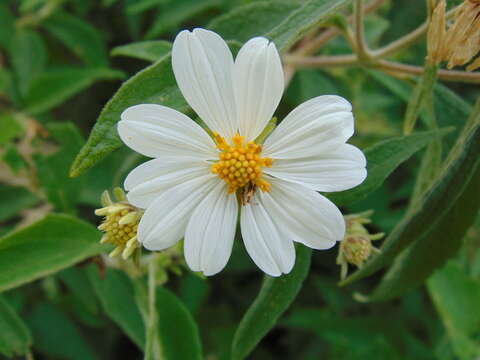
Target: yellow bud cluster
120	226
356	249
240	165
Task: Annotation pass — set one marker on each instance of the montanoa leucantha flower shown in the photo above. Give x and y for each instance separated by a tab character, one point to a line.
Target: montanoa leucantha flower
200	182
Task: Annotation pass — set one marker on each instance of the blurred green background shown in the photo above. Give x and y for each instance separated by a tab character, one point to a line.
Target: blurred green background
61	61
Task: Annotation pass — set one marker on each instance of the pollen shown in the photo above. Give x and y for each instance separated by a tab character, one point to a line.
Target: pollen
240	164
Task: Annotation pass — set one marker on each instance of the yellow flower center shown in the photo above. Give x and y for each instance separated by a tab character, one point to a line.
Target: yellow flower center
240	166
118	233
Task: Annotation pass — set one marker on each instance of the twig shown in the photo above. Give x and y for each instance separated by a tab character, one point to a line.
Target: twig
361	47
390	66
406	40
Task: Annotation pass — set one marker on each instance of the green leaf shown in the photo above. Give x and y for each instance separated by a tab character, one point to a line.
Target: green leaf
15	337
456	297
459	169
311	13
77	281
54	87
177	331
14	200
13	158
116	294
420	95
79	36
450	109
247	21
382	159
57	335
11	128
140	6
178	336
144	50
430	252
155	84
273	300
176	12
28	56
61	191
45	247
8	26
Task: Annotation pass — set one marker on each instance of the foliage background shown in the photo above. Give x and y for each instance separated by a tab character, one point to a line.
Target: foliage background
61	61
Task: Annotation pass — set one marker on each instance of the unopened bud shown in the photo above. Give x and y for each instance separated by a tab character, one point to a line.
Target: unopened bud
357	246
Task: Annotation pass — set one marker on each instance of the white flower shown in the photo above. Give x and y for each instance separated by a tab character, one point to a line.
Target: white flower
198	184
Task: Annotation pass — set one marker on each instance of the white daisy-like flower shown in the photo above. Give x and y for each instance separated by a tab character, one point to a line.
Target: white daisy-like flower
199	184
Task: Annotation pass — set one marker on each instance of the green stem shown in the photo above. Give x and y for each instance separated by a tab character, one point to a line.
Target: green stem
152	350
361	47
420	94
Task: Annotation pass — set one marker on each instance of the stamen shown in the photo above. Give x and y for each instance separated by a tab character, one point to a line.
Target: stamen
240	166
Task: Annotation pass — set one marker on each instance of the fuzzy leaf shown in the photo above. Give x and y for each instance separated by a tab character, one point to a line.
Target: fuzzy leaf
311	13
54	87
28	56
250	20
115	292
45	247
382	159
144	50
15	337
273	300
461	165
79	36
456	297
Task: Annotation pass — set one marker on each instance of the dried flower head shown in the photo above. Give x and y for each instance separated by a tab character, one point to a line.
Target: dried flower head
356	247
461	42
120	224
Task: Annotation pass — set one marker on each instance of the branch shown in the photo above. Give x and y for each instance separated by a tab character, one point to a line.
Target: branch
390	66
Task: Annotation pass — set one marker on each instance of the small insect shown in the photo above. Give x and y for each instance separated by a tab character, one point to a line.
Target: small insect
248	193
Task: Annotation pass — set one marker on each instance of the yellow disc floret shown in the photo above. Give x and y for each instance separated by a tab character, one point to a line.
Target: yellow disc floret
120	224
240	165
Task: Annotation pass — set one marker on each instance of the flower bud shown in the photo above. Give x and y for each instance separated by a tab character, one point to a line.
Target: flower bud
462	39
120	224
357	246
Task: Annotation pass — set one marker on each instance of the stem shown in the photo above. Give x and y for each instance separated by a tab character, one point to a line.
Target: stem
406	40
312	46
389	66
360	44
29	355
151	346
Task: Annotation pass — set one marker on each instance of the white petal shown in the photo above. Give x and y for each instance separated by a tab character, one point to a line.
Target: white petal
211	230
339	170
166	219
258	85
316	126
203	66
149	180
158	131
268	247
303	215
